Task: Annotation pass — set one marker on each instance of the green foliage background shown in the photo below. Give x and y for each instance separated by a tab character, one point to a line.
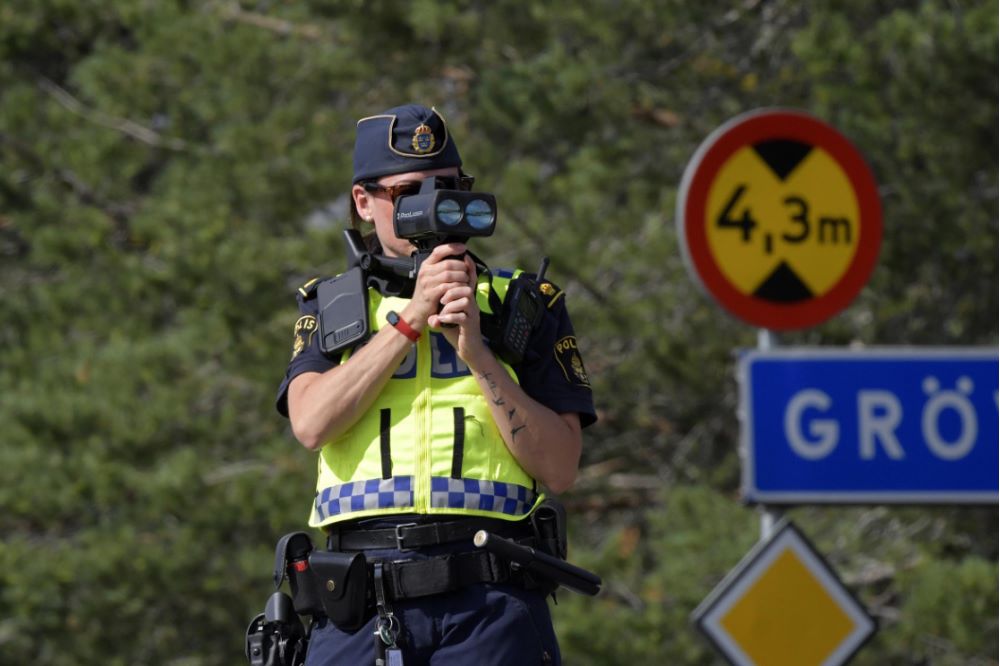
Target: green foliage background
171	171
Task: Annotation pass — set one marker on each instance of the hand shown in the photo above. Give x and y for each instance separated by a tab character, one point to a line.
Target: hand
459	307
440	272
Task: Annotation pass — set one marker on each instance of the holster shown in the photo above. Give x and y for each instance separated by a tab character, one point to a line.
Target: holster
328	583
549	523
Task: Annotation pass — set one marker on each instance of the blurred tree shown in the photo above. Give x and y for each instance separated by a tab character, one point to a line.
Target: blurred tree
173	170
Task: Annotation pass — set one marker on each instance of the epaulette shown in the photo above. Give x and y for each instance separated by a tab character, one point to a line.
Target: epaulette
308	290
550	293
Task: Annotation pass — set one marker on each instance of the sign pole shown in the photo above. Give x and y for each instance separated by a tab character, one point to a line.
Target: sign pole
780	221
769	516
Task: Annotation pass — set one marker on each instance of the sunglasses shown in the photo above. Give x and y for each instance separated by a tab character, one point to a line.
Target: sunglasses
409	187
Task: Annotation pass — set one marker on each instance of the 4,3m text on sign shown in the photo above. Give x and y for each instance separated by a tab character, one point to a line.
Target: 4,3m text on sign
780	219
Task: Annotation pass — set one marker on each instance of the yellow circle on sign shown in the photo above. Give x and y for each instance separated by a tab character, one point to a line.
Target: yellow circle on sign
782	221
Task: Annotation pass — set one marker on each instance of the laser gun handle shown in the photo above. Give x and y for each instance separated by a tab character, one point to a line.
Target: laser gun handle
419	257
539	563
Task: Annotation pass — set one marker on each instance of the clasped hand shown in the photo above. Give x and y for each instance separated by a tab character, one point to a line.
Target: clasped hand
449	283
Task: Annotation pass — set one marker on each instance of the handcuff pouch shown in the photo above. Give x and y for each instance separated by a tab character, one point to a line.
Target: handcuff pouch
342	585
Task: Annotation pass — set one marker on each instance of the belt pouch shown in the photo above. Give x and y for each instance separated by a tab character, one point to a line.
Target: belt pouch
342	583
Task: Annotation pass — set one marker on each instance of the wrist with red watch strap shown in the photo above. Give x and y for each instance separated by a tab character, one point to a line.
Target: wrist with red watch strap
400	325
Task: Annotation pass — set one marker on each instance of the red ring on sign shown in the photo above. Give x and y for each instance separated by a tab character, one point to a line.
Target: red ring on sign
750	129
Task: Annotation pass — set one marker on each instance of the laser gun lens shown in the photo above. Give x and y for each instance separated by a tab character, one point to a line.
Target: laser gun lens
449	212
479	214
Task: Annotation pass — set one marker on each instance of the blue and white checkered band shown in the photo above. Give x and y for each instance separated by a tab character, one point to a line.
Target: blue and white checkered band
495	496
396	492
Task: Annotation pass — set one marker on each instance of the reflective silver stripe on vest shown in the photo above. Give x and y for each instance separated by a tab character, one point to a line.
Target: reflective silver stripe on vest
395	492
496	496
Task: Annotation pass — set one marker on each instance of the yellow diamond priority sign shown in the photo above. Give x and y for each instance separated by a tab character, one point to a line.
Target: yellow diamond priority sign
784	606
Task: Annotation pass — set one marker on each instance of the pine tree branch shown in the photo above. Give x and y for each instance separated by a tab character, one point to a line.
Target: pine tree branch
234	12
123	125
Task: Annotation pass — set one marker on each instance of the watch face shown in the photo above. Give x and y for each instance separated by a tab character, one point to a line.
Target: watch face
392	318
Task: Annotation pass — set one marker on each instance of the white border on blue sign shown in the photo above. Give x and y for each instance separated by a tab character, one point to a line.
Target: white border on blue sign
753	495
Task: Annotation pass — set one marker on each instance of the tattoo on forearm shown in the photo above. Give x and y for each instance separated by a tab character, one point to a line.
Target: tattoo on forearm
492	385
498	400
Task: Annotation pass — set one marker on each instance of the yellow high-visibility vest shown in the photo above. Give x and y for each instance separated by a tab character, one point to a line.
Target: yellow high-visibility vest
428	444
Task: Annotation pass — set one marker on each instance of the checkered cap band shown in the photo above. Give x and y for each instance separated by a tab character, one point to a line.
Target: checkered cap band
396	492
495	496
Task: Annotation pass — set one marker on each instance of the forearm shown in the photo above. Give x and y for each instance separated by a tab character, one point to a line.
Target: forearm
546	444
323	406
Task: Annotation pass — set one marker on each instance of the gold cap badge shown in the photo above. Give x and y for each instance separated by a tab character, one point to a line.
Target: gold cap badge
423	139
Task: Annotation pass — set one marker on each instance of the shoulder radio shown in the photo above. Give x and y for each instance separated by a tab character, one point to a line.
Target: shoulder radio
521	313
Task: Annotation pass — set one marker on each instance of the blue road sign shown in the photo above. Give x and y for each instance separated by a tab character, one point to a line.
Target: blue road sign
890	425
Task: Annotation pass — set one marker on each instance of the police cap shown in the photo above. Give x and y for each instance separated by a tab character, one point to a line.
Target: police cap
402	139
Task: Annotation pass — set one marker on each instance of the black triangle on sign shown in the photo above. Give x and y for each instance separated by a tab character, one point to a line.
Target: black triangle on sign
783	286
782	155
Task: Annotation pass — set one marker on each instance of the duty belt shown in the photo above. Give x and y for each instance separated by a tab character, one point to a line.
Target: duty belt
445	573
410	536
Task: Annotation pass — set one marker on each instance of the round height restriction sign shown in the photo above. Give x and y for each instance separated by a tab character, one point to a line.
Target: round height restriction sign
779	219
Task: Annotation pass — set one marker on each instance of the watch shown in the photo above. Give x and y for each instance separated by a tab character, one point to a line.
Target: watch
400	325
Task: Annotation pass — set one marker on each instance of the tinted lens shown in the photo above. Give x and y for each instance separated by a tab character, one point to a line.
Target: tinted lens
449	212
394	191
479	214
405	190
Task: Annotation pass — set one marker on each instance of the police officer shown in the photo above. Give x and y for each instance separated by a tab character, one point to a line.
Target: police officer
425	436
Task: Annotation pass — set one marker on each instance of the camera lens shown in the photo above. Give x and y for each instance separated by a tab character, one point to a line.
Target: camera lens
449	212
479	214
